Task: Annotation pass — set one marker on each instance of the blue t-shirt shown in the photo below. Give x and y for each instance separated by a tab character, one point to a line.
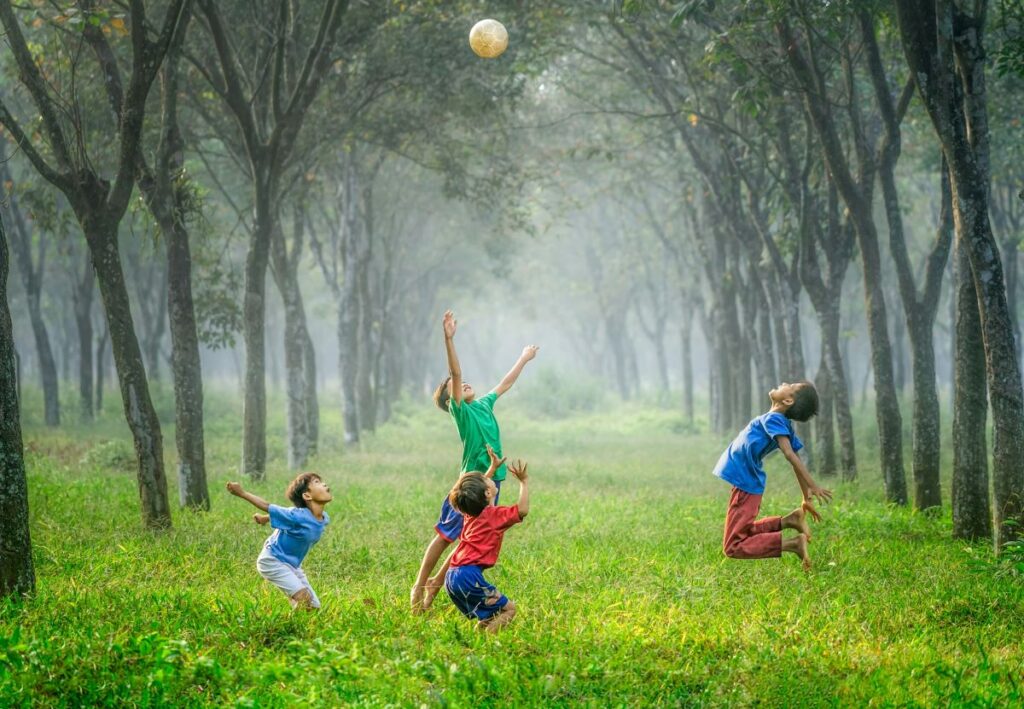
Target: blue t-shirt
740	464
296	530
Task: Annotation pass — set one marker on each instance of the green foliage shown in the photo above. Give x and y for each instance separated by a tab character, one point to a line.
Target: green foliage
625	597
553	394
109	455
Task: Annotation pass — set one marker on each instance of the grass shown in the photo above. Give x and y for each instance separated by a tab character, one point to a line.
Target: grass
625	597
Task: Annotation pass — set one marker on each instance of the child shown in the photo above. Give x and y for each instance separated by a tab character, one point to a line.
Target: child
740	465
477	428
296	530
475	495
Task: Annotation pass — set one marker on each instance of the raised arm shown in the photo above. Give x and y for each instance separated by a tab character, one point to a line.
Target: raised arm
257	502
529	352
496	462
809	488
519	470
454	369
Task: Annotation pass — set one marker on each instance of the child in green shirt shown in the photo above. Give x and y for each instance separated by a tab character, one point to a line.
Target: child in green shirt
478	430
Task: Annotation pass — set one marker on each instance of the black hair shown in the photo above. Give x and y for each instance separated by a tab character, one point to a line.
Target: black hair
441	394
298	486
805	402
469	496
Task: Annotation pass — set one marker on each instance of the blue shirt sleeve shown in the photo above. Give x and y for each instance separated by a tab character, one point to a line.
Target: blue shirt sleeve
283	517
778	425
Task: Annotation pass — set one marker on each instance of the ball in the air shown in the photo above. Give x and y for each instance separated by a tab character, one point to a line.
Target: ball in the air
488	38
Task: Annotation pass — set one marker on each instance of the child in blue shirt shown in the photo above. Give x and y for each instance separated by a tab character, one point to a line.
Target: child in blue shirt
296	530
745	536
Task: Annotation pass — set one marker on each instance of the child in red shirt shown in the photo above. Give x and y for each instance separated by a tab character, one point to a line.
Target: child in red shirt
479	543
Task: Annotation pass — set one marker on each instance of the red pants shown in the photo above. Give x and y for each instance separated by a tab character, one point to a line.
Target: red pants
746	538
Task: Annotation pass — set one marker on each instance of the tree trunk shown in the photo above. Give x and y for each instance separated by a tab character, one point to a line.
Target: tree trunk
32	280
295	343
138	407
101	368
83	293
839	390
186	372
312	402
367	336
971	516
254	408
824	431
686	376
17	576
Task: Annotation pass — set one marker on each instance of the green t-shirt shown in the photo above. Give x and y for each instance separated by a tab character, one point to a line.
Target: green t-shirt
477	427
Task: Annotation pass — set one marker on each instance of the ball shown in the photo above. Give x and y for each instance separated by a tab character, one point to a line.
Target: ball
488	38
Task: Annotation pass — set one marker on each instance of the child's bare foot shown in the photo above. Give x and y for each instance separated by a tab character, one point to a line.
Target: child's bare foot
500	619
416	599
797	519
430	592
801	550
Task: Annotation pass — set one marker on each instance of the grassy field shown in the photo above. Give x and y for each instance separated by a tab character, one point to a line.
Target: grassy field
625	598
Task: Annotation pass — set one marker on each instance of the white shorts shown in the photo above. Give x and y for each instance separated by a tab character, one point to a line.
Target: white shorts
288	578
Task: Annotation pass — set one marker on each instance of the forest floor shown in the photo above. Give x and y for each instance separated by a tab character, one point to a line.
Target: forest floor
625	597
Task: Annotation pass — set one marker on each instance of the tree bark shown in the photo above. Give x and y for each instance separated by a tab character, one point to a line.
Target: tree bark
945	51
971	516
101	368
312	401
686	355
83	294
138	407
824	431
17	575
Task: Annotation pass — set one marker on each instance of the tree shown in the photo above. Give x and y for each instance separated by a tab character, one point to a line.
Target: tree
99	204
944	46
17	575
32	270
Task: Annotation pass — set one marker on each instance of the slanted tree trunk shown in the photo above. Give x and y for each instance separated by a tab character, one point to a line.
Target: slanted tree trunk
17	576
32	280
131	373
856	195
971	516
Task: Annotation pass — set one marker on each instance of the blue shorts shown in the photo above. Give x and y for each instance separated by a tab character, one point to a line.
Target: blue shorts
449	522
472	594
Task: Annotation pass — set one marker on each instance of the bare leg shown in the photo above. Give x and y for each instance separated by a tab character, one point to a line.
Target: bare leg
798	545
499	620
435	582
797	519
434	551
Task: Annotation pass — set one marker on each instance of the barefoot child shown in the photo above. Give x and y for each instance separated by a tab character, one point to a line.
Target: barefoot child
740	465
296	530
475	495
478	428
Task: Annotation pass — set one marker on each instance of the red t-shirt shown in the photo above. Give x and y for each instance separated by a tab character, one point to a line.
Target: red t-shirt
480	540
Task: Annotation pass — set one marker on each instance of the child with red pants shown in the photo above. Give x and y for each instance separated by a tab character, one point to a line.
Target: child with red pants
747	537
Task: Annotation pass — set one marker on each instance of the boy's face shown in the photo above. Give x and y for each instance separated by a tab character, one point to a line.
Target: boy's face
784	394
467	391
318	492
492	492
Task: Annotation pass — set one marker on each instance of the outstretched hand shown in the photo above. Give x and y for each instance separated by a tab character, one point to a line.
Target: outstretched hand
260	519
809	509
820	494
529	352
235	488
496	462
519	470
449	323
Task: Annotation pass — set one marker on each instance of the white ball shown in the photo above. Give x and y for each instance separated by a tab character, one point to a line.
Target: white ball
488	38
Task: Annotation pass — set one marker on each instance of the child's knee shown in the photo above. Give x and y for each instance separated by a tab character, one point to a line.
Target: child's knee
509	609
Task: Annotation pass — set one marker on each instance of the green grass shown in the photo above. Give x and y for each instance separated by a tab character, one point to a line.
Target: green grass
624	594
